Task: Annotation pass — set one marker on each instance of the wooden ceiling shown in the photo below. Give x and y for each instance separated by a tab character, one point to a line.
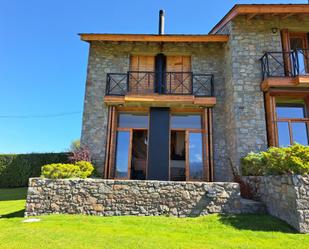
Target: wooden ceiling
251	10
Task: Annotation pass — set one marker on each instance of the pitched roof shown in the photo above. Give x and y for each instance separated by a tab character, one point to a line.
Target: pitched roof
251	10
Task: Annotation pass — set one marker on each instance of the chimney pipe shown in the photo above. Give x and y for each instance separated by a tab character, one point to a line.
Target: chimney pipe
161	22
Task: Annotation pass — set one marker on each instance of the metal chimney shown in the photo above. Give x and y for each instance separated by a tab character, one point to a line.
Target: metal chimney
161	22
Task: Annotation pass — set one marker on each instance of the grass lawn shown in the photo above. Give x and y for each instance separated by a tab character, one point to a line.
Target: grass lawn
76	231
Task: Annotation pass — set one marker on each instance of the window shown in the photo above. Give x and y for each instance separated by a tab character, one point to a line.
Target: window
131	146
187	149
291	122
186	121
129	120
122	151
195	156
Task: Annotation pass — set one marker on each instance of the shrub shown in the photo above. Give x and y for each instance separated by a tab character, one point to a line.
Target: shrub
81	169
85	167
16	169
277	161
253	164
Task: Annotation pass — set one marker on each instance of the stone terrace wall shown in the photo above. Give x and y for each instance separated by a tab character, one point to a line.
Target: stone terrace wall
112	197
286	197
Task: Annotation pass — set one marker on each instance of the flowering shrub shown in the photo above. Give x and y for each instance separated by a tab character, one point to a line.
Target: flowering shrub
80	154
277	161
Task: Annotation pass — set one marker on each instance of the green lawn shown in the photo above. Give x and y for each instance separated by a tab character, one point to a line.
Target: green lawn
75	231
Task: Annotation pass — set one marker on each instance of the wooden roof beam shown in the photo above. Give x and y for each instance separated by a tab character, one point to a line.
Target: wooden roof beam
287	16
250	16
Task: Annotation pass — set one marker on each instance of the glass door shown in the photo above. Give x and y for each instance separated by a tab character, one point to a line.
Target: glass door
131	146
187	156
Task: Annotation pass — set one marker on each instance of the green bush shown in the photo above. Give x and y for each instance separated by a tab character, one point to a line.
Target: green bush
277	161
81	169
16	169
253	164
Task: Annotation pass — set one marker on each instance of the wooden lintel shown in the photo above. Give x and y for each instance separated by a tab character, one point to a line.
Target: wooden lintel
160	100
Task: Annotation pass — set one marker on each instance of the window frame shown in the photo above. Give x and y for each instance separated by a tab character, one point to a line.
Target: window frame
271	113
206	142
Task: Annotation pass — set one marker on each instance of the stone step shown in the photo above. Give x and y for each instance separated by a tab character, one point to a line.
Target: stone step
249	206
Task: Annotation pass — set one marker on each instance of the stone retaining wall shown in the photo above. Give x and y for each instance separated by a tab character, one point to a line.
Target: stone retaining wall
115	197
286	197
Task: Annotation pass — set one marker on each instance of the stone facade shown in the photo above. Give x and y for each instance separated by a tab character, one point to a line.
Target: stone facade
245	124
286	197
115	58
112	197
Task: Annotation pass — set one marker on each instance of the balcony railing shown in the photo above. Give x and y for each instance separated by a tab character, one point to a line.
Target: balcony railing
174	83
285	64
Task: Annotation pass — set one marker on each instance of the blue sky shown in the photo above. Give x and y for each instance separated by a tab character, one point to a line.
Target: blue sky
43	62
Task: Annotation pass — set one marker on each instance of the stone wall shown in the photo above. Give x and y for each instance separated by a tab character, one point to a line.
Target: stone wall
286	197
112	197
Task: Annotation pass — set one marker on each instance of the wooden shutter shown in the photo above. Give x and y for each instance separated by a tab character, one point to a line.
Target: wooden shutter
142	79
178	76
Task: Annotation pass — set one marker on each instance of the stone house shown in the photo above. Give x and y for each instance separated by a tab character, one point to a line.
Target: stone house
188	107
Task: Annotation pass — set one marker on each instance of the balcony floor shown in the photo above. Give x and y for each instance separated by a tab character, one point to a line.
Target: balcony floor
275	82
160	100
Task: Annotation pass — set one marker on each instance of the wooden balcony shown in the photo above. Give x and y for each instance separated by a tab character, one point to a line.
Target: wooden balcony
285	69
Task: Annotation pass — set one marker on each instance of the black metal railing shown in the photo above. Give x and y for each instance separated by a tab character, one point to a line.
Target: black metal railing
285	64
174	83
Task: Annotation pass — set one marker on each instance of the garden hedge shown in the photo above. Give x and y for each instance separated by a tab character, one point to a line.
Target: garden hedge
16	169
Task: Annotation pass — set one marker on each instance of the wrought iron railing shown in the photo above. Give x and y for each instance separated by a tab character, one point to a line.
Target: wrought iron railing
174	83
285	64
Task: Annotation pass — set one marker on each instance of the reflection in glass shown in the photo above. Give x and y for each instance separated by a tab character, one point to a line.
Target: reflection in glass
178	156
300	133
301	61
122	152
129	120
193	121
292	111
283	134
195	156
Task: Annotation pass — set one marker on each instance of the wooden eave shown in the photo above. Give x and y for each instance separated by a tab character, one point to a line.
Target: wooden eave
251	10
160	100
285	82
153	38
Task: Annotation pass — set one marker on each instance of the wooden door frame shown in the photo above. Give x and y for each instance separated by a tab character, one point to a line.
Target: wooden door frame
286	36
206	131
